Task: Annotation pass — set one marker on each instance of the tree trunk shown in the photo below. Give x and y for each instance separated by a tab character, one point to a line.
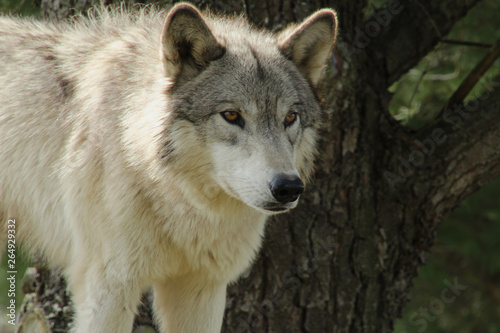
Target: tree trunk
344	260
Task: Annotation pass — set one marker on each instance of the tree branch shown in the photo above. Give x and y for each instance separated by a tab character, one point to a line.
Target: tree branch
474	76
414	32
466	155
466	43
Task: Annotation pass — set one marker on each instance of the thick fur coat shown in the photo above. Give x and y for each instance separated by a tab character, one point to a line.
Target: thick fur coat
146	150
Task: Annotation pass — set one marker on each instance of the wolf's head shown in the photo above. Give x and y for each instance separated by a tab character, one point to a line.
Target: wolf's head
245	116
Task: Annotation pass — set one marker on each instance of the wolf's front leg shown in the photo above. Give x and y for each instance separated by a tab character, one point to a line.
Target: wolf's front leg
187	305
104	304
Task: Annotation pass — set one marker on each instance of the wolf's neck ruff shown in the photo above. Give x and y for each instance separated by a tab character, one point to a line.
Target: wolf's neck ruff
138	151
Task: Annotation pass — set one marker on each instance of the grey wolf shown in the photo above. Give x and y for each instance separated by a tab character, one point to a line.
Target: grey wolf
146	150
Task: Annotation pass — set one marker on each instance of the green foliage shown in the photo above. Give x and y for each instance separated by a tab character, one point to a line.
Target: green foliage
373	6
425	90
19	7
467	249
468	242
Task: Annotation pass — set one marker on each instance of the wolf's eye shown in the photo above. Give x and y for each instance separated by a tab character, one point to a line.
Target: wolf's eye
233	117
290	118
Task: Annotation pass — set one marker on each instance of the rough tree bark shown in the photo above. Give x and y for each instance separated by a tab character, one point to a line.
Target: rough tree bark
344	260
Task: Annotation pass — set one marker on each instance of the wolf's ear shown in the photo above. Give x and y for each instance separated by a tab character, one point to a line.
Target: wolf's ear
309	44
187	44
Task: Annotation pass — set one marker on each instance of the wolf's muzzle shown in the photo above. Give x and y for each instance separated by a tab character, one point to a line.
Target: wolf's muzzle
286	188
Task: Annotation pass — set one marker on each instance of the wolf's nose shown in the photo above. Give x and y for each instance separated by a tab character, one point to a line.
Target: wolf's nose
286	188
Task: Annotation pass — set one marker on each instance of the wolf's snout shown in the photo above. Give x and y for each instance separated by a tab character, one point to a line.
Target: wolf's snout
286	188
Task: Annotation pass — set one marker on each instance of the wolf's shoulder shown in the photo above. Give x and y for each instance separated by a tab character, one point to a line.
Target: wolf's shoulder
12	27
98	22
